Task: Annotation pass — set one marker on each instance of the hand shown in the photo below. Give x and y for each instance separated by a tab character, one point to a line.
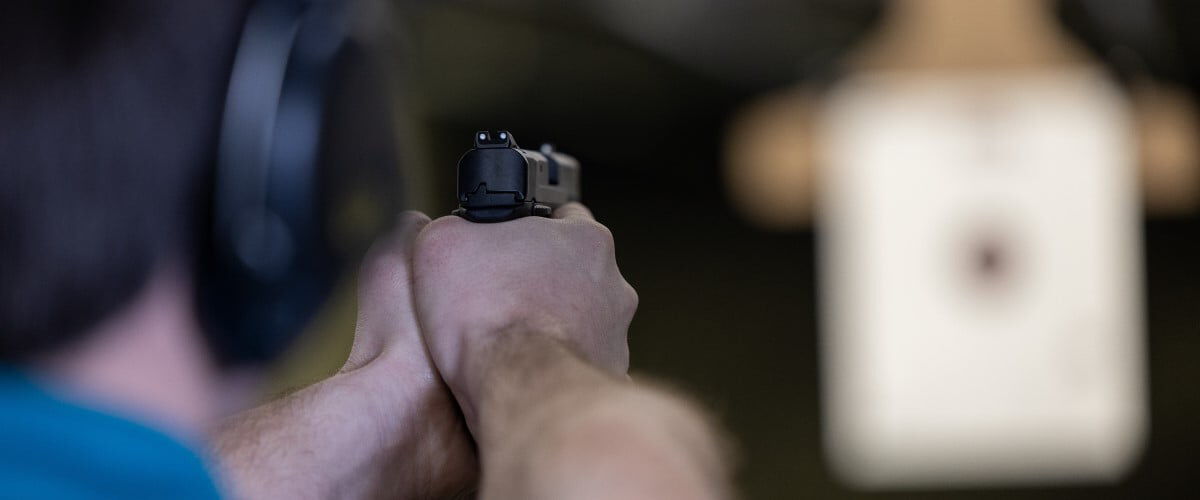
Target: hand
434	455
479	286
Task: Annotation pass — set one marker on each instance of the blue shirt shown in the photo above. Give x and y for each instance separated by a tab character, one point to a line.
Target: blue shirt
54	449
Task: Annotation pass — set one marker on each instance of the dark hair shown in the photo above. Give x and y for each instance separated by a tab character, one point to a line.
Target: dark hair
109	113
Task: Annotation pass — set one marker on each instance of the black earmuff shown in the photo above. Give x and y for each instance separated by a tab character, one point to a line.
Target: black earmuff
306	174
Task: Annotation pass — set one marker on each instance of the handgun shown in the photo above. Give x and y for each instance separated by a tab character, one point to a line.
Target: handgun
499	181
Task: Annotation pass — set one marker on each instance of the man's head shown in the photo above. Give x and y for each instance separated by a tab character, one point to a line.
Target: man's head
110	112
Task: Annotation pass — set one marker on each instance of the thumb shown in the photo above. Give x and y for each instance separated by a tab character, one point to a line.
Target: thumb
385	308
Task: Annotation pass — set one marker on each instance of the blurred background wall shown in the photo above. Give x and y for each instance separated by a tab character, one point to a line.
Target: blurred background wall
644	94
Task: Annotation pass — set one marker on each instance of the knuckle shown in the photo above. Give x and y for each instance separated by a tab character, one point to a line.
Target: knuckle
395	241
380	269
383	254
597	235
445	223
437	239
410	224
440	230
530	223
631	298
409	217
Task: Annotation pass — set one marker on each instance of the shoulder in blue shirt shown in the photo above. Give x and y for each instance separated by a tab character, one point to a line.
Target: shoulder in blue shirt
53	449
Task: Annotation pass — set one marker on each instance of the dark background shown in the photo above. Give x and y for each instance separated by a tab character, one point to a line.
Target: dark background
728	311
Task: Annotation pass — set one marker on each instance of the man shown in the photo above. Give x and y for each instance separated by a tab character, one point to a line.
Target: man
463	376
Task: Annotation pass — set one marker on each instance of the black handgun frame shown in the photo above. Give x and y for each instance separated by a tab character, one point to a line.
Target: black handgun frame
499	181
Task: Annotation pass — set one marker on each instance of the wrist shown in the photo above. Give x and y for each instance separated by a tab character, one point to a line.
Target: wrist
518	378
410	425
635	440
391	392
334	415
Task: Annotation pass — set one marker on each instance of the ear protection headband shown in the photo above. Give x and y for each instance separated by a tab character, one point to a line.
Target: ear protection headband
306	166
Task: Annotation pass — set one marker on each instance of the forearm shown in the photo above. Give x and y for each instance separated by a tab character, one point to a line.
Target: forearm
550	426
339	438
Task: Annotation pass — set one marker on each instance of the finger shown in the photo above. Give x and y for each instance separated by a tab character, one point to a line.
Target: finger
385	313
408	225
383	282
573	210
